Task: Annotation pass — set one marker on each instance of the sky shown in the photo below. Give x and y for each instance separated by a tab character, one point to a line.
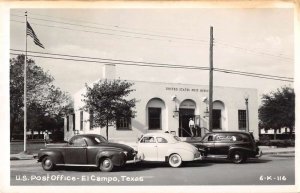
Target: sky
250	40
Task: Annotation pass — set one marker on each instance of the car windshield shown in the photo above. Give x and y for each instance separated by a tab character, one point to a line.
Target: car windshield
177	138
98	139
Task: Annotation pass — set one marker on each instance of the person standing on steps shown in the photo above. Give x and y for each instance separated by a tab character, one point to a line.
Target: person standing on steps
191	126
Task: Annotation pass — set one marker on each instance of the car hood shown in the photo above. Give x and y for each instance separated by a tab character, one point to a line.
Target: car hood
116	145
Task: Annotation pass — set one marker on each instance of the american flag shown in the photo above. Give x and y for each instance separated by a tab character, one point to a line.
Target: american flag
31	33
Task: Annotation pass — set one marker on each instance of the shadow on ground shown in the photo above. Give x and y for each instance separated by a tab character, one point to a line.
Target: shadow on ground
226	161
143	166
133	167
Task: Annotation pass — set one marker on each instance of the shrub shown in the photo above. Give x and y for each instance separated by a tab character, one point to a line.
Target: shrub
278	143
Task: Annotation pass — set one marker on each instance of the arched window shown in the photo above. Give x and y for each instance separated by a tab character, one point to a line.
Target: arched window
155	111
188	104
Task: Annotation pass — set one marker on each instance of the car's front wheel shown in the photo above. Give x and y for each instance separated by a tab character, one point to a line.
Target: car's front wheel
106	165
48	164
175	160
238	157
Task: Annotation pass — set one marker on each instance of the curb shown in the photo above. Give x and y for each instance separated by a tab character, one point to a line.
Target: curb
276	153
22	157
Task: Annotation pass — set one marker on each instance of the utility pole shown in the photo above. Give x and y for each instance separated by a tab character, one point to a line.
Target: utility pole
25	86
211	68
247	114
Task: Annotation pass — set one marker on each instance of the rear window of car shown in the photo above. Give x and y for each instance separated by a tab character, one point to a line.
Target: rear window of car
161	140
98	139
177	138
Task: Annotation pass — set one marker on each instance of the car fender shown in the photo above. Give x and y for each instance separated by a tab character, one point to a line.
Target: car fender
118	157
243	149
56	155
183	153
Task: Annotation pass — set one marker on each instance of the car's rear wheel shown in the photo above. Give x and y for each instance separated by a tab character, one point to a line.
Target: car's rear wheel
175	160
106	165
238	157
48	164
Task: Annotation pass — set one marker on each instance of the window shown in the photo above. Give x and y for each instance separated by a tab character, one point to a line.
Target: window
73	122
78	142
216	113
242	119
81	120
98	139
67	122
208	138
161	140
177	138
154	115
148	140
91	119
123	123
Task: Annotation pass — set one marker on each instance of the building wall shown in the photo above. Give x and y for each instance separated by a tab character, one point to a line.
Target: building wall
228	99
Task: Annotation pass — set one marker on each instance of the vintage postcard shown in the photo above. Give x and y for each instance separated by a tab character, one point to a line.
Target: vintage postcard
149	96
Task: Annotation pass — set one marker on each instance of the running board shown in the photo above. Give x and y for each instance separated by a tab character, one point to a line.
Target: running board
217	156
87	165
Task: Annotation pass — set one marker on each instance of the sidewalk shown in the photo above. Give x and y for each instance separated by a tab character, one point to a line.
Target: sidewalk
22	156
266	150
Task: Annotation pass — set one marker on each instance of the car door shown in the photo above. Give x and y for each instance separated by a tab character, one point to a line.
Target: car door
76	152
147	148
222	143
208	144
162	148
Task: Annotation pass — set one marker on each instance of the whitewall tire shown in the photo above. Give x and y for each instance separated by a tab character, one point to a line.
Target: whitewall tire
175	160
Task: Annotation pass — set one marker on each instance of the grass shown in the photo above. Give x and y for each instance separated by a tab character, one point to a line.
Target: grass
17	147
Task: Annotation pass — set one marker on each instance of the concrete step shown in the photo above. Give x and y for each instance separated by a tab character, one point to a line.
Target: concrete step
190	138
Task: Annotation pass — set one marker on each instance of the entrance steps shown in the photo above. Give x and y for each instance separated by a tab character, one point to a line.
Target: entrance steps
190	138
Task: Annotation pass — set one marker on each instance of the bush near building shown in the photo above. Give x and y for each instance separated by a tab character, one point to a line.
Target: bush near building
277	143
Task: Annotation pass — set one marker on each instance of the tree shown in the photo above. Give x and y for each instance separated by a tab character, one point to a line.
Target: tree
278	110
107	101
44	100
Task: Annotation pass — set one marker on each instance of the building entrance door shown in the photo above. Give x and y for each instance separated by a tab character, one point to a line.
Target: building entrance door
184	117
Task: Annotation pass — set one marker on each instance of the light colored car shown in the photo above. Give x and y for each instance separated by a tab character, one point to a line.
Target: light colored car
164	147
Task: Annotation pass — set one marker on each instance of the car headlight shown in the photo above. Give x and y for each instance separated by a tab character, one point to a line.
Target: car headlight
125	152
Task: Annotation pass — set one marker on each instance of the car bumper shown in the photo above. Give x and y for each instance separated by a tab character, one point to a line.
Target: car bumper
259	154
198	156
134	160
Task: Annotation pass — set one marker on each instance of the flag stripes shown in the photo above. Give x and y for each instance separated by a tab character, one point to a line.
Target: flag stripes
31	33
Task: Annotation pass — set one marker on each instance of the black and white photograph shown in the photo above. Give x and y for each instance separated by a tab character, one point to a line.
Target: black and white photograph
151	96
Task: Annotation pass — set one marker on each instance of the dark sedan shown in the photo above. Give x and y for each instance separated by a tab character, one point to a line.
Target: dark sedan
235	146
86	150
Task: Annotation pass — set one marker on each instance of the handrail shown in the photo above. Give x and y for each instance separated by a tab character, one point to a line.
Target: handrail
187	132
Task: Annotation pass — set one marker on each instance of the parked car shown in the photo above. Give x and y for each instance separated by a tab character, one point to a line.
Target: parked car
164	147
86	150
235	146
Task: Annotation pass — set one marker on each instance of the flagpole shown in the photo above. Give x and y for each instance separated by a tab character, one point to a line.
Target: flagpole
25	88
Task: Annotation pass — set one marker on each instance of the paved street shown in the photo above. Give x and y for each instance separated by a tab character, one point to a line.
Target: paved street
269	170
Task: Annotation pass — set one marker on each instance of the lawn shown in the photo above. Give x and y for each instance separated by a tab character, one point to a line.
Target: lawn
33	147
